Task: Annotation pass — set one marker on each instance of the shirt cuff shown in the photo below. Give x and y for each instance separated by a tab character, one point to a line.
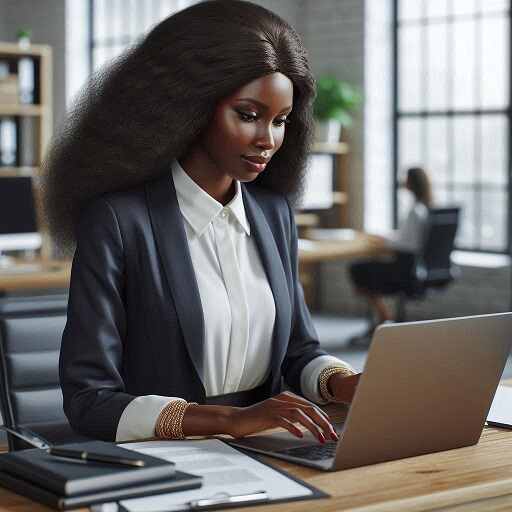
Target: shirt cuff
311	373
139	417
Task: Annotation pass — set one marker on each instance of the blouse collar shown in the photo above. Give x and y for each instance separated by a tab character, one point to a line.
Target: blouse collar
199	208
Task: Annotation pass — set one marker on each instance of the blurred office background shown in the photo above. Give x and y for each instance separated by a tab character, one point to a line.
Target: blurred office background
434	76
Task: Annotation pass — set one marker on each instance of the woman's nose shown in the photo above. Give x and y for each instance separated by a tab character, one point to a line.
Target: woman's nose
265	139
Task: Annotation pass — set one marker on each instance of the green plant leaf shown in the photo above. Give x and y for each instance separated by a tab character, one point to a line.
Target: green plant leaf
335	99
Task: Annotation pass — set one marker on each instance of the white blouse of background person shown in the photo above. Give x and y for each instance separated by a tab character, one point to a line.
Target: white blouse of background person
409	236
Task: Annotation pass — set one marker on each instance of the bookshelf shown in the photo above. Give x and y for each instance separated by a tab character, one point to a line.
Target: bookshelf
334	217
25	116
338	216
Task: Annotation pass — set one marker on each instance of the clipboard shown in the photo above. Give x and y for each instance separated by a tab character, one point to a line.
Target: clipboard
315	493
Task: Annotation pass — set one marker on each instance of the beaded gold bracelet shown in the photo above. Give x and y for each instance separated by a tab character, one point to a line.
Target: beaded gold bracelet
169	424
324	377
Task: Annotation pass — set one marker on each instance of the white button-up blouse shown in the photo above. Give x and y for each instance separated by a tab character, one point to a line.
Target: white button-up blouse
237	302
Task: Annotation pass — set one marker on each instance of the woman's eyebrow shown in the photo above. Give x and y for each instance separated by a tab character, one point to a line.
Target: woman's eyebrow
262	105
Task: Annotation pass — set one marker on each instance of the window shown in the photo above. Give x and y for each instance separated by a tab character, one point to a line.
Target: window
451	109
116	24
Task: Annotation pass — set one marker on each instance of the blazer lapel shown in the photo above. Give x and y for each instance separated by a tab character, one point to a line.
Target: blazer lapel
172	244
276	276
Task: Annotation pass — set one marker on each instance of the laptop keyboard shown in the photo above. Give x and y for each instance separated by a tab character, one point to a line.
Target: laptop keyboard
313	452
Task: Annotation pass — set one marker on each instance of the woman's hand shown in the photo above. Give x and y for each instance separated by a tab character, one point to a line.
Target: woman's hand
343	387
284	410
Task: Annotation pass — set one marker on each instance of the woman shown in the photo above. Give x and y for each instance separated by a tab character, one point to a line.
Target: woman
185	313
375	278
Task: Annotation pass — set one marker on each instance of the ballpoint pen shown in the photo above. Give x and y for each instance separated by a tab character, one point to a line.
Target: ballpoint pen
94	457
224	500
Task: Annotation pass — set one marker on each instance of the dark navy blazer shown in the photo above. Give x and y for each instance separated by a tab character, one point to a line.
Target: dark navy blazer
135	323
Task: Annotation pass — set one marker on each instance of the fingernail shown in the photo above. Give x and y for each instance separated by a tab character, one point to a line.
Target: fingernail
334	436
322	438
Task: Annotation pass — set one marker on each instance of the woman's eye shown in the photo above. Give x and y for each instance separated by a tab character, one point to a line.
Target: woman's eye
281	122
244	116
249	117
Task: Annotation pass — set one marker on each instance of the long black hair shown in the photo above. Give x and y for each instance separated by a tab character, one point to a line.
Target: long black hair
418	183
137	114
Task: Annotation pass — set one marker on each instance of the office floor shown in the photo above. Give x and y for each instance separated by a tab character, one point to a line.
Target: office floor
335	332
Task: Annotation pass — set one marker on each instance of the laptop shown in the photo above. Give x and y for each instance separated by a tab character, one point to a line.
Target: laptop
426	387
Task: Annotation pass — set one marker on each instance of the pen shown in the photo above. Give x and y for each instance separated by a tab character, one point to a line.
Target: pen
226	501
95	457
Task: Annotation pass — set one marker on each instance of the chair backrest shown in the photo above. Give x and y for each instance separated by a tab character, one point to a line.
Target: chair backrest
30	393
434	262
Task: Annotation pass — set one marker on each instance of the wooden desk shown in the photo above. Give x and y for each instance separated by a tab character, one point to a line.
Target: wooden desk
313	252
360	246
476	478
56	274
46	275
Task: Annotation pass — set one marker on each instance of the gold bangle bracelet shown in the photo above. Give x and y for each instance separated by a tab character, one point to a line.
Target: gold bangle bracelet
324	377
169	424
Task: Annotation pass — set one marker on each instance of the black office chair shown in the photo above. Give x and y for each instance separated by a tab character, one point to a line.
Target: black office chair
30	393
433	268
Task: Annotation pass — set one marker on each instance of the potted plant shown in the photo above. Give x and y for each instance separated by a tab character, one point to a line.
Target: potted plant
335	100
23	35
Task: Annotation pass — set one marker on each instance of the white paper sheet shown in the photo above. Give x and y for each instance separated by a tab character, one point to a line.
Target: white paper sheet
224	470
501	408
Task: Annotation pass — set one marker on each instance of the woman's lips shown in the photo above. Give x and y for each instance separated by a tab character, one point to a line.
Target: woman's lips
253	166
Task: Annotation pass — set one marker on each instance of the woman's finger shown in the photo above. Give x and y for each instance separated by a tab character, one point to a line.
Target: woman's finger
314	412
320	420
296	415
290	426
296	399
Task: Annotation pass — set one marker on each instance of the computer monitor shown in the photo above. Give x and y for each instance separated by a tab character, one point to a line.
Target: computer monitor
319	184
18	219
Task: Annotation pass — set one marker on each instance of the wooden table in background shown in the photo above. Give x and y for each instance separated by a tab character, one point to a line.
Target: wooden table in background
357	245
475	478
56	274
35	275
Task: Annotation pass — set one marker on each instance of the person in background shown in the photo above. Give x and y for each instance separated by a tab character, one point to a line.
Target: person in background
374	278
174	177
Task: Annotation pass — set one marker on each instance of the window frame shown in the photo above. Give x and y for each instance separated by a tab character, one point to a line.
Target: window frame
451	113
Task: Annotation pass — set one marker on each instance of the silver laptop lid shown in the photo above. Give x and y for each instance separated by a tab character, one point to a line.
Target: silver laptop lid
426	387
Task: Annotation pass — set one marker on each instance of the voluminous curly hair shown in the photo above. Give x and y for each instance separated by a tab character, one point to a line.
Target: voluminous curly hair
146	108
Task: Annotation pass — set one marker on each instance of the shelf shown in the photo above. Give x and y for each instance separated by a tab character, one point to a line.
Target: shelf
33	124
13	49
338	148
13	172
306	220
339	197
21	110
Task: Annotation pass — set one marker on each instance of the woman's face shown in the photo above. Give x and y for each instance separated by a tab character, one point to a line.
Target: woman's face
248	127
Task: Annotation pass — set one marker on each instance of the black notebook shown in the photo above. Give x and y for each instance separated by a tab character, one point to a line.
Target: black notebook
178	482
74	477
